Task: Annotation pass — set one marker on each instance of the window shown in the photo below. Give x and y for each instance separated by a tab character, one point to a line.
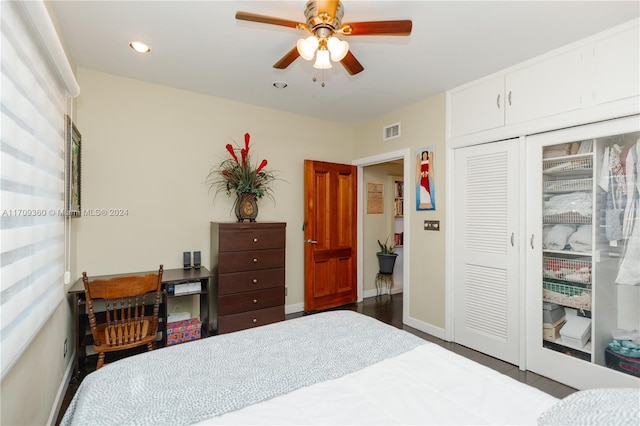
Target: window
32	181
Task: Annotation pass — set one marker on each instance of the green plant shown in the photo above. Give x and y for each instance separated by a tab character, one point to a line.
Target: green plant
238	175
386	248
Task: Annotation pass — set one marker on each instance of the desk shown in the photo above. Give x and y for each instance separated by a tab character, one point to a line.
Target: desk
82	332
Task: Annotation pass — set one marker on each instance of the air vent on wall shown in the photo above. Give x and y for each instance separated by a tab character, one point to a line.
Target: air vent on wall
390	132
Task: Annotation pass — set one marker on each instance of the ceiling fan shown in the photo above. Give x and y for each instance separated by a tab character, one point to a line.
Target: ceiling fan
324	22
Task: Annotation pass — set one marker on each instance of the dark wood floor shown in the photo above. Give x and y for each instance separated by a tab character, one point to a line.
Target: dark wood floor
389	310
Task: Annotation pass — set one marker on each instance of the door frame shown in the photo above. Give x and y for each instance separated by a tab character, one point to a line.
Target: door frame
401	154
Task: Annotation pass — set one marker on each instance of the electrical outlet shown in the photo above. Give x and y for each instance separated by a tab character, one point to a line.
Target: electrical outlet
431	225
64	354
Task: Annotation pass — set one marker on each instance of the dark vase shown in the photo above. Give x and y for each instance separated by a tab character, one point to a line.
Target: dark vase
246	207
386	262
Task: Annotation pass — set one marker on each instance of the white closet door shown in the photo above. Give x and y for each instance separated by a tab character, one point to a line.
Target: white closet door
486	263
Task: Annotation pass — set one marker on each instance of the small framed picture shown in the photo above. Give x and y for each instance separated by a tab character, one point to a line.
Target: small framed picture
374	198
73	170
425	183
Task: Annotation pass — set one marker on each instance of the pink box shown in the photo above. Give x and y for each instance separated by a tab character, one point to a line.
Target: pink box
183	331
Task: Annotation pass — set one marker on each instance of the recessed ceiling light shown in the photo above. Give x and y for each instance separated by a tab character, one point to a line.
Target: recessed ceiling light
140	47
279	84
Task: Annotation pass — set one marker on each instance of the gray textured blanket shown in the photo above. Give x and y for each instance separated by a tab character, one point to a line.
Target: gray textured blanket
188	383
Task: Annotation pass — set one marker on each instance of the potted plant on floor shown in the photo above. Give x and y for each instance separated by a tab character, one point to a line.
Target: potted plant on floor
386	257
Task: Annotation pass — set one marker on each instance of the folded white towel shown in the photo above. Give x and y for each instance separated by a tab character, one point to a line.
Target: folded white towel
558	236
581	239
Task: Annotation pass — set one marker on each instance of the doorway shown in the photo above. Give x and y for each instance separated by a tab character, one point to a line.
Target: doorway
366	261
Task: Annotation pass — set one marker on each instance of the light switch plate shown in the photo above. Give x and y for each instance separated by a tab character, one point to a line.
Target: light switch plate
431	225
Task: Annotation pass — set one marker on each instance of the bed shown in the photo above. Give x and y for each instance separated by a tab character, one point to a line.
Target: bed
337	367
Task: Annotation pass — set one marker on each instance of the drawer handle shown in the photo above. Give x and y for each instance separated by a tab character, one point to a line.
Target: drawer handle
255	281
255	240
255	320
255	300
255	260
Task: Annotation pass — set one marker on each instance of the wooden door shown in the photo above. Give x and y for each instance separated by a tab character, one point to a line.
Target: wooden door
330	231
486	264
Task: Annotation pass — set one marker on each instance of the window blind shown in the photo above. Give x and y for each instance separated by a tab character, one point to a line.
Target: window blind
32	174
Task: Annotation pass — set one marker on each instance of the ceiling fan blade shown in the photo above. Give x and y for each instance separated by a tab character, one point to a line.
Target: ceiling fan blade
391	28
351	64
287	59
253	17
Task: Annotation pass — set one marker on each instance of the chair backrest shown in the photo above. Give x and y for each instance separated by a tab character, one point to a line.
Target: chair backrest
125	299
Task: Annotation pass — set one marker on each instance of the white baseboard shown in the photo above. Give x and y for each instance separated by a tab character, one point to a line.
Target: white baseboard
425	327
374	293
293	308
62	390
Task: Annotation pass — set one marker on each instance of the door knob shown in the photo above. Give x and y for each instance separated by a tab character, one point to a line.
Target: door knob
310	241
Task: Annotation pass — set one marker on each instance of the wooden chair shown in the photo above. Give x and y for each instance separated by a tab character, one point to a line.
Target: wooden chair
125	324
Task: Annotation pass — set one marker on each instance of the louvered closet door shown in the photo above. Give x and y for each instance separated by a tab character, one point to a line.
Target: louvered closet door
486	262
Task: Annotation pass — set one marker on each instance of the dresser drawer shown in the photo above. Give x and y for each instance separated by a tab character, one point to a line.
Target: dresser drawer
237	282
237	322
251	239
250	300
238	261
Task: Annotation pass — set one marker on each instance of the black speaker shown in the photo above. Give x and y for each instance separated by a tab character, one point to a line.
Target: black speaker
186	259
196	260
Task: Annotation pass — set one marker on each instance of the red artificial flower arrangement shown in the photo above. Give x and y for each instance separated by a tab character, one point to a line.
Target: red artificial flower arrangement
238	175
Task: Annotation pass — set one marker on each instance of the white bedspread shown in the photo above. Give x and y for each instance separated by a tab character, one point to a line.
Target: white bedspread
427	385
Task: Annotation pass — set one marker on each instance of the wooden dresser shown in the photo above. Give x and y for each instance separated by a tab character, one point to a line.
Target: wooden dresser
247	262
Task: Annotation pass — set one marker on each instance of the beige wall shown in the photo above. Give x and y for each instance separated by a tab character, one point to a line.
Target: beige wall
422	125
148	149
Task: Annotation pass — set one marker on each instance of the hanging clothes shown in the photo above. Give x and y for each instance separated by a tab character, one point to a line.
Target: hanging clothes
629	269
616	190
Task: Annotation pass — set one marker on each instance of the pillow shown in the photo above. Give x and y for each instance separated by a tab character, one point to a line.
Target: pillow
615	406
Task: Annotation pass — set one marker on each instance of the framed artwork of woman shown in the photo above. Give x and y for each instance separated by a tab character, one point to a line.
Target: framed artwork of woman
425	183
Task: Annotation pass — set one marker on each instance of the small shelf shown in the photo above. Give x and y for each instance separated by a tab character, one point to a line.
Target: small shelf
569	165
568	252
559	342
567	294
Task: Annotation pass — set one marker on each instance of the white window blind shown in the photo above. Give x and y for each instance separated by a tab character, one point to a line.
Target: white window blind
32	180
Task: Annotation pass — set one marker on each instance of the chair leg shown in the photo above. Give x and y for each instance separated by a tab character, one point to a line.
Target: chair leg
100	360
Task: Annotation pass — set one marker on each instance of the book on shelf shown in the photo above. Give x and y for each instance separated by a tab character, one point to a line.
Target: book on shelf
399	207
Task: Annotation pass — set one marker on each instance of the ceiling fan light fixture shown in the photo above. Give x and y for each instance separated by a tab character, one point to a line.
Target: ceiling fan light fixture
322	60
338	48
307	47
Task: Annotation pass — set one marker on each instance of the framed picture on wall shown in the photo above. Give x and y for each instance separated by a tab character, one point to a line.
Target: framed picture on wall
375	198
425	182
73	170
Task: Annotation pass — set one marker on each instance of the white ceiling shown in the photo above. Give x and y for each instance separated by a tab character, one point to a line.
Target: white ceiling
199	46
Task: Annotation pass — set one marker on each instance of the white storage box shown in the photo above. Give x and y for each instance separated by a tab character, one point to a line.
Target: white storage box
576	331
